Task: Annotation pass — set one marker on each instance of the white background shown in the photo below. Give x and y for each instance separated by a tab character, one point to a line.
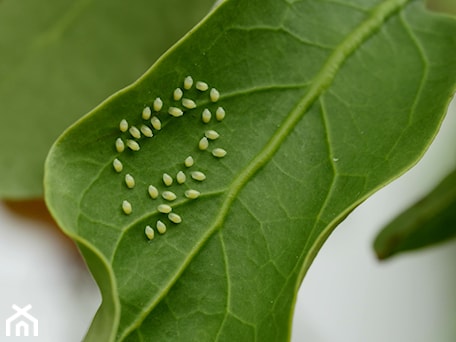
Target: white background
346	296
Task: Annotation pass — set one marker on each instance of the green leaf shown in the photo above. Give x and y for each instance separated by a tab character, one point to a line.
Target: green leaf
59	58
429	221
325	103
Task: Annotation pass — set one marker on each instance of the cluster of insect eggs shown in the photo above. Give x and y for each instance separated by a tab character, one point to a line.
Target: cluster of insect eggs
151	114
171	196
167	195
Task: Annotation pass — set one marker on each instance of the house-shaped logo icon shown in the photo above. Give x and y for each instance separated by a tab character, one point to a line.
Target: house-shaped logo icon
21	322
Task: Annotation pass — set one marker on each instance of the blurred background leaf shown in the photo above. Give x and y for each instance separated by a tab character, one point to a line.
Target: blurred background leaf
429	221
60	58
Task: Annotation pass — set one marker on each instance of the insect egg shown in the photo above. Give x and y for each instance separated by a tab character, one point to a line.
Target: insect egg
169	195
164	208
158	104
198	175
180	177
220	114
202	86
123	126
133	145
203	144
214	95
167	179
188	161
176	112
178	93
153	192
211	134
120	146
126	207
117	164
188	82
161	227
135	133
174	218
149	231
219	152
187	103
129	181
146	113
147	131
156	123
206	115
192	194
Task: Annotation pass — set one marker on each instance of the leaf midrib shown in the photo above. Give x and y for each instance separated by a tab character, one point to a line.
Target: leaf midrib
321	82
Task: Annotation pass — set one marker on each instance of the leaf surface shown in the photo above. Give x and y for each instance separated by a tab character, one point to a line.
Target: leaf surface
429	221
325	102
60	58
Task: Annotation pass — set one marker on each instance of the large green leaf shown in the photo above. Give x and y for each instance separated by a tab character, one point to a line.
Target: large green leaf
59	58
326	101
429	221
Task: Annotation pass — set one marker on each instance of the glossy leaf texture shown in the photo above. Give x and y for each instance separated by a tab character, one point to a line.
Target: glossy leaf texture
324	101
60	58
431	220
